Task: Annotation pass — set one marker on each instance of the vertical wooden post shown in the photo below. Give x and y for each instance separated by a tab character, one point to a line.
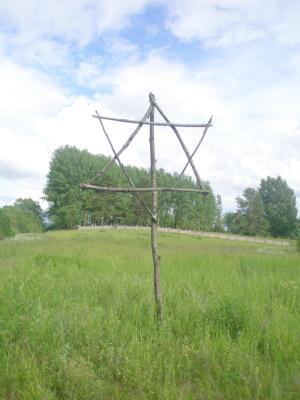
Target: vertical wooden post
156	258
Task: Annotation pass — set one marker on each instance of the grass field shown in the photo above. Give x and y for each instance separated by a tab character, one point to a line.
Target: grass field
77	318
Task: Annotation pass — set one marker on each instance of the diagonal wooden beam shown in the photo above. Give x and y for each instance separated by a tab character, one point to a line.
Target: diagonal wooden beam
123	168
199	144
181	142
131	137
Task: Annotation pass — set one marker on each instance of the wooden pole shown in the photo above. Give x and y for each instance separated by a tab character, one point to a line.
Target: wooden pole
156	258
134	121
142	190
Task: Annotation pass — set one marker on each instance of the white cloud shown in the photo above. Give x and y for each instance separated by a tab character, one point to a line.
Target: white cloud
71	20
41	53
26	93
56	33
222	23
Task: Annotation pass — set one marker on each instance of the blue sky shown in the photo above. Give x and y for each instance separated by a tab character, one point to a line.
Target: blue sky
236	60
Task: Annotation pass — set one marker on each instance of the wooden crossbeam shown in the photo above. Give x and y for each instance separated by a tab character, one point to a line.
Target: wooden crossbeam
132	121
143	190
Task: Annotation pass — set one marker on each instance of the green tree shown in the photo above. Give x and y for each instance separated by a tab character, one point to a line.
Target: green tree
279	203
29	205
251	213
25	216
232	222
298	240
69	206
23	221
68	168
6	229
218	222
32	214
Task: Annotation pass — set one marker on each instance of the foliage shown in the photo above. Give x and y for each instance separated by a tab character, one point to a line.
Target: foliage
251	213
279	203
6	229
78	319
218	223
269	210
232	222
298	240
24	216
70	206
29	206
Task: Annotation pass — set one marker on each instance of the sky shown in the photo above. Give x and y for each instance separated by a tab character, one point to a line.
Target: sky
238	60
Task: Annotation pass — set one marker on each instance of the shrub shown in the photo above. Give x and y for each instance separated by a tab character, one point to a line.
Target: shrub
298	240
6	229
229	316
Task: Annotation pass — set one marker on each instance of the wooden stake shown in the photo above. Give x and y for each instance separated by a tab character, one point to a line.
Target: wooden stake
156	258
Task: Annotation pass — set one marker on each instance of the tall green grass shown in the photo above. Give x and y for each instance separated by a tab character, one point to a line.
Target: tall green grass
77	318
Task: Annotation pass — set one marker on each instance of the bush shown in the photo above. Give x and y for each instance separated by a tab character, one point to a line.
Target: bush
228	316
6	229
298	240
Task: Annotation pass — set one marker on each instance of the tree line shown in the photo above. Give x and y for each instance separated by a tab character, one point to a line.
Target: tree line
70	206
269	210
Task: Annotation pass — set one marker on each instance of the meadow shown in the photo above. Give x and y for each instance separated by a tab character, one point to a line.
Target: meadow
77	318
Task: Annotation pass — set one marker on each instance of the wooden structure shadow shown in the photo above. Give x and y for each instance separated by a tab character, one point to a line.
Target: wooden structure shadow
148	119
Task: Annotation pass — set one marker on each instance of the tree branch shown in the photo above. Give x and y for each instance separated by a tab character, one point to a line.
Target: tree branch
131	137
198	145
123	168
181	142
143	190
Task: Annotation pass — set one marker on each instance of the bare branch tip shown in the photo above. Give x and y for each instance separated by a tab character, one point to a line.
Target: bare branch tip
151	97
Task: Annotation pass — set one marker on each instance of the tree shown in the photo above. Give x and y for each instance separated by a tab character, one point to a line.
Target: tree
29	205
23	221
279	203
6	229
68	168
232	222
218	223
69	206
24	216
252	218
